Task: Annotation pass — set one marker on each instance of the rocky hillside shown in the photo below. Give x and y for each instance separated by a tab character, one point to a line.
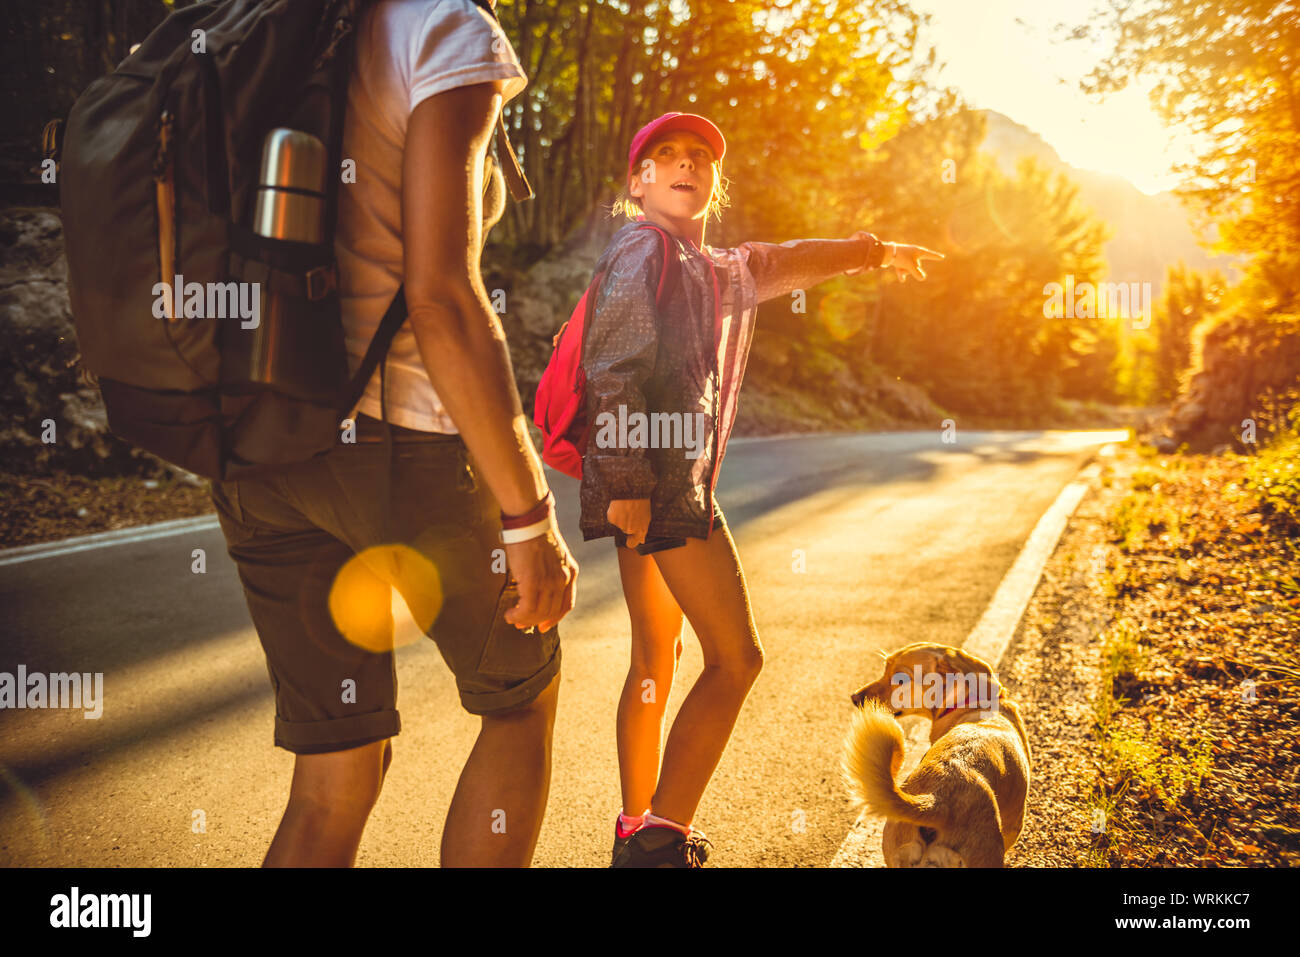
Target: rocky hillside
39	382
1247	380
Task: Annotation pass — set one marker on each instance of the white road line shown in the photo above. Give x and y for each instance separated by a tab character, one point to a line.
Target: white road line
988	640
122	536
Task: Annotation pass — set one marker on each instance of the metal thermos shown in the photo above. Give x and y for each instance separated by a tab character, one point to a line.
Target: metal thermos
291	190
294	349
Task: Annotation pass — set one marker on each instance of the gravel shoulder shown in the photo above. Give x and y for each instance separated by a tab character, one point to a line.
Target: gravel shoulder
1157	669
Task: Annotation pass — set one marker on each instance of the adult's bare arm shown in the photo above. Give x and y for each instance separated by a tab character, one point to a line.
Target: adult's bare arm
458	333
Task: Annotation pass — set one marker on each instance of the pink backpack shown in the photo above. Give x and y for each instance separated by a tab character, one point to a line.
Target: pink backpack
560	409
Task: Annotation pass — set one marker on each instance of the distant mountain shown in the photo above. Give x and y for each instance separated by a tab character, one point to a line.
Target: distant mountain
1150	232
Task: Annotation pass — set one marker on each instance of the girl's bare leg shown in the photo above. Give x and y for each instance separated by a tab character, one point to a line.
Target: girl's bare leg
708	584
656	649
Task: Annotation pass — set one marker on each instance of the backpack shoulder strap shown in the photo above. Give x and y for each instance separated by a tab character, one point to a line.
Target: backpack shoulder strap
376	351
516	181
668	277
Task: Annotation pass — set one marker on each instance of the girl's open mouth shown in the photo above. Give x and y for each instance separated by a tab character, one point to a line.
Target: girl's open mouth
685	187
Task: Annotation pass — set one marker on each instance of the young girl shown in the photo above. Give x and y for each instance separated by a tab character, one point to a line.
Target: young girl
664	367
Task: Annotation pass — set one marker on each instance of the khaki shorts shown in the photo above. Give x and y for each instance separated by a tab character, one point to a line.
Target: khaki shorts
291	533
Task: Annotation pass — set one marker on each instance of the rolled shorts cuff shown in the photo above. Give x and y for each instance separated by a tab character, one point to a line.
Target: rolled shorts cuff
336	734
499	702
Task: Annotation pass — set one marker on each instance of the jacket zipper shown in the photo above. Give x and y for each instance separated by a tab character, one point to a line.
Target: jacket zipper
164	174
717	406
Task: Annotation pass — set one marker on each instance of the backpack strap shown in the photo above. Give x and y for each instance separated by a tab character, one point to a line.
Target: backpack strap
339	71
376	351
668	280
516	181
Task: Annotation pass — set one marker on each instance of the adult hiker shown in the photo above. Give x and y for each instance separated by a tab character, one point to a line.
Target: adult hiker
432	511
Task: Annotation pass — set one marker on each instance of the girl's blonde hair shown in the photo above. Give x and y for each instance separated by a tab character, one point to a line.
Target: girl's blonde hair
630	206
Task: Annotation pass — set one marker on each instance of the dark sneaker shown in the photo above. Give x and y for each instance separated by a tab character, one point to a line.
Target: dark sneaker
660	846
619	843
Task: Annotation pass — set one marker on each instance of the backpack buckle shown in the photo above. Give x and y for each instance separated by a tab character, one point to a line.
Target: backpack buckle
320	282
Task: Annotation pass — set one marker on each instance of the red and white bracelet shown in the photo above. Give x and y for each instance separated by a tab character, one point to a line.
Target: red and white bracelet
534	523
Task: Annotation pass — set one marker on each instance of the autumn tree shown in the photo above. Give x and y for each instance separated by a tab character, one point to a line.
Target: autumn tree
1230	73
1189	299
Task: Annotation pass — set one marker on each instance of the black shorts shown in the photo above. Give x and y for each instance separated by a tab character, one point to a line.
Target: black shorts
652	545
292	534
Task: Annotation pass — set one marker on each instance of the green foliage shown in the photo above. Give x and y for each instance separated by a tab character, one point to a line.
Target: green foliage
1189	300
776	78
977	336
1158	763
50	51
1230	78
1150	760
1274	475
1121	651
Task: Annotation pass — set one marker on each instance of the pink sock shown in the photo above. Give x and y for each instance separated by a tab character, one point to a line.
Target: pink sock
655	819
628	825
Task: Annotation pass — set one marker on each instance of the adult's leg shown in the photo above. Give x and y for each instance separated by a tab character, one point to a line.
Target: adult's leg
708	583
656	649
330	799
287	565
496	813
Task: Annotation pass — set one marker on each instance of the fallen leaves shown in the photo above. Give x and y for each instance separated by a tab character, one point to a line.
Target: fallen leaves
1218	642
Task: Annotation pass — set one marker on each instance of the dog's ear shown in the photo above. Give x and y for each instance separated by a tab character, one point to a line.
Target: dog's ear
928	657
961	662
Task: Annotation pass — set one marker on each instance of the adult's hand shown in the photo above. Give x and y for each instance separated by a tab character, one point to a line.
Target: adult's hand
631	516
548	581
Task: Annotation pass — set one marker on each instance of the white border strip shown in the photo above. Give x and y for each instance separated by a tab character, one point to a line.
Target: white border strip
988	640
993	632
121	536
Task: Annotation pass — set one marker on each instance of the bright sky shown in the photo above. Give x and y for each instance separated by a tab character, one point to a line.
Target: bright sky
1021	70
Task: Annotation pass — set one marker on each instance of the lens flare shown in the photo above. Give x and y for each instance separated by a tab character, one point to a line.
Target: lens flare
365	593
842	314
38	822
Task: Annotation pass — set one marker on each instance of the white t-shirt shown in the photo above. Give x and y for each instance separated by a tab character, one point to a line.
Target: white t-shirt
406	51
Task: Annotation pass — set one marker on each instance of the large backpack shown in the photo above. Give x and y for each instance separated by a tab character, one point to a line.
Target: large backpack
159	170
560	408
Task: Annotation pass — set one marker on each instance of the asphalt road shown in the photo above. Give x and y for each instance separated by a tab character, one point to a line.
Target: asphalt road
903	538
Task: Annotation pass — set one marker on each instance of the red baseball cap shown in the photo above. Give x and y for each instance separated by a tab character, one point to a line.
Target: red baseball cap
669	122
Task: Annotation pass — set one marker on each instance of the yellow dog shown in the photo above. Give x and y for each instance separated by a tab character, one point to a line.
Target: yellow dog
964	804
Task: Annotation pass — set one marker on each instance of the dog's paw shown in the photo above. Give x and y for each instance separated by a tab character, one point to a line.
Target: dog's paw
909	855
939	855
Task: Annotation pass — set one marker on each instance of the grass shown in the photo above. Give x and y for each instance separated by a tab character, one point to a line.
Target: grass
1202	583
1142	759
1274	474
1144	515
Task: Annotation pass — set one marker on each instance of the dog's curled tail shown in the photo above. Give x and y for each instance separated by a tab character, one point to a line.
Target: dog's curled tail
873	753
